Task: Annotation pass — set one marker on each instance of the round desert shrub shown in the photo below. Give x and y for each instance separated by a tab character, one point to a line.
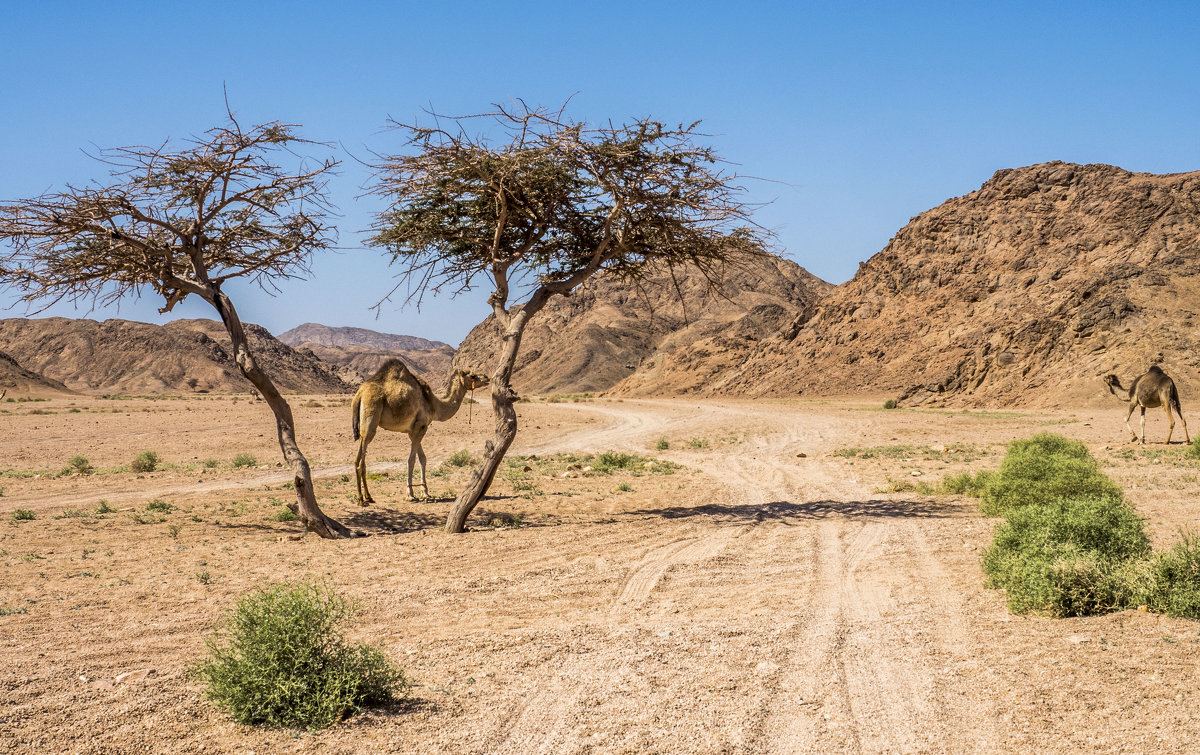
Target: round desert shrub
244	460
146	461
1044	468
1068	557
890	404
282	660
460	458
1175	579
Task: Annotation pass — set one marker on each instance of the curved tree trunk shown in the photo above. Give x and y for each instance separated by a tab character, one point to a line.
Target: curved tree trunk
494	450
306	502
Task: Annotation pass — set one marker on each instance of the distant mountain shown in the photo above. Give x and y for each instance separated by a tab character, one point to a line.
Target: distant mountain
1024	292
324	335
18	381
355	364
120	356
611	336
356	353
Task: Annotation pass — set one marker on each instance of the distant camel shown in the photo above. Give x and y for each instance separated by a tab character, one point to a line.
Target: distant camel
396	399
1151	390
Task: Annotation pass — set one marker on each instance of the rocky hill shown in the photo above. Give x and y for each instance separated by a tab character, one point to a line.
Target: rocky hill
601	335
1025	292
355	364
120	356
18	381
356	353
324	335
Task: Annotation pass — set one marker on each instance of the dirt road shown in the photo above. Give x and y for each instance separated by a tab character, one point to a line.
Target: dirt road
756	601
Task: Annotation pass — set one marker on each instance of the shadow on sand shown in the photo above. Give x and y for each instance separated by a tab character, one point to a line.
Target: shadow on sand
784	511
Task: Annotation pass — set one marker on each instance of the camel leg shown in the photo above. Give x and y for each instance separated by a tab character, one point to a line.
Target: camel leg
412	458
1128	414
1186	438
1170	421
421	457
368	426
1143	425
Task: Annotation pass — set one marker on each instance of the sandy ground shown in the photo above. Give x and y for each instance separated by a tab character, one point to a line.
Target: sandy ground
752	601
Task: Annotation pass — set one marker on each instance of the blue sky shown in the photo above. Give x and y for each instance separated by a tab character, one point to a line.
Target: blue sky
857	116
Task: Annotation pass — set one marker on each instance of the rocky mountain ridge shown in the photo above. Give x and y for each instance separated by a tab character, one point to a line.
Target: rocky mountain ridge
121	356
1025	291
609	334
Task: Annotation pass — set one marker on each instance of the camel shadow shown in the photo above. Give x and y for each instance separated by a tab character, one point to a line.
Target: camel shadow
788	512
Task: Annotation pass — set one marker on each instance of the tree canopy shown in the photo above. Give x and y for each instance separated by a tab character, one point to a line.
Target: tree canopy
541	210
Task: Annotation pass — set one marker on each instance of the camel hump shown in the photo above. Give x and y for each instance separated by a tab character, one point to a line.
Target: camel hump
1156	369
389	368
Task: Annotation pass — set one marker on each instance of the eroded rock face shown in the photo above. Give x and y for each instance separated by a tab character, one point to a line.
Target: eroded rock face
1027	290
121	356
610	336
16	381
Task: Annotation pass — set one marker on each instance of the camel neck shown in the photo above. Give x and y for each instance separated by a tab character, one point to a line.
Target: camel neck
446	407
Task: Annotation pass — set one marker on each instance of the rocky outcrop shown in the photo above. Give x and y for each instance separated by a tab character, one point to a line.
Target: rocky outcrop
16	381
666	335
1026	291
120	356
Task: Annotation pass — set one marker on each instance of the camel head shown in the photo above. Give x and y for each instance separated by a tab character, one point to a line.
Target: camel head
471	380
1114	385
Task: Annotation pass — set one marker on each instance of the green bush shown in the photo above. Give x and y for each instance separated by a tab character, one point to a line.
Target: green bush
244	460
1175	580
146	461
890	404
1044	468
160	505
211	463
80	465
23	515
662	444
104	508
1193	451
968	484
1066	557
460	458
611	460
282	661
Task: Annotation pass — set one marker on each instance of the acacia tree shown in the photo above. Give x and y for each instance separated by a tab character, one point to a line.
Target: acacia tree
540	213
183	222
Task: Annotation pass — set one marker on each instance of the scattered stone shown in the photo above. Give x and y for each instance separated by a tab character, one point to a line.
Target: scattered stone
1077	639
1144	608
134	676
801	455
649	465
766	667
586	469
526	468
939	449
917	473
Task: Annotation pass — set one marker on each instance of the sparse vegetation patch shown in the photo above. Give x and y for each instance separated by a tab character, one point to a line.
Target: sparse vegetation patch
146	461
282	660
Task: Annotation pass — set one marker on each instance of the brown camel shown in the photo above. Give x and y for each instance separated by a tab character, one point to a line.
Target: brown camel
396	399
1151	390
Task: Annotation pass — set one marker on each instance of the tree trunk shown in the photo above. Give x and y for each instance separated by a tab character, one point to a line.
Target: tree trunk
494	450
306	502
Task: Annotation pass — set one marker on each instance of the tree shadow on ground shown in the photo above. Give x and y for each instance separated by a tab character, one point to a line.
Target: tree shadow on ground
380	521
785	511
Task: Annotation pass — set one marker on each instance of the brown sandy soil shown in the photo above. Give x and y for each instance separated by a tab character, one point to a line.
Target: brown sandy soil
752	601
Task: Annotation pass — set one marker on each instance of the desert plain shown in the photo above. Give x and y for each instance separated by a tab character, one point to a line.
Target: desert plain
773	581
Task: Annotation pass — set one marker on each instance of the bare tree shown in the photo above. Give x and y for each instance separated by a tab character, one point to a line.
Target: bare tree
552	205
183	221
